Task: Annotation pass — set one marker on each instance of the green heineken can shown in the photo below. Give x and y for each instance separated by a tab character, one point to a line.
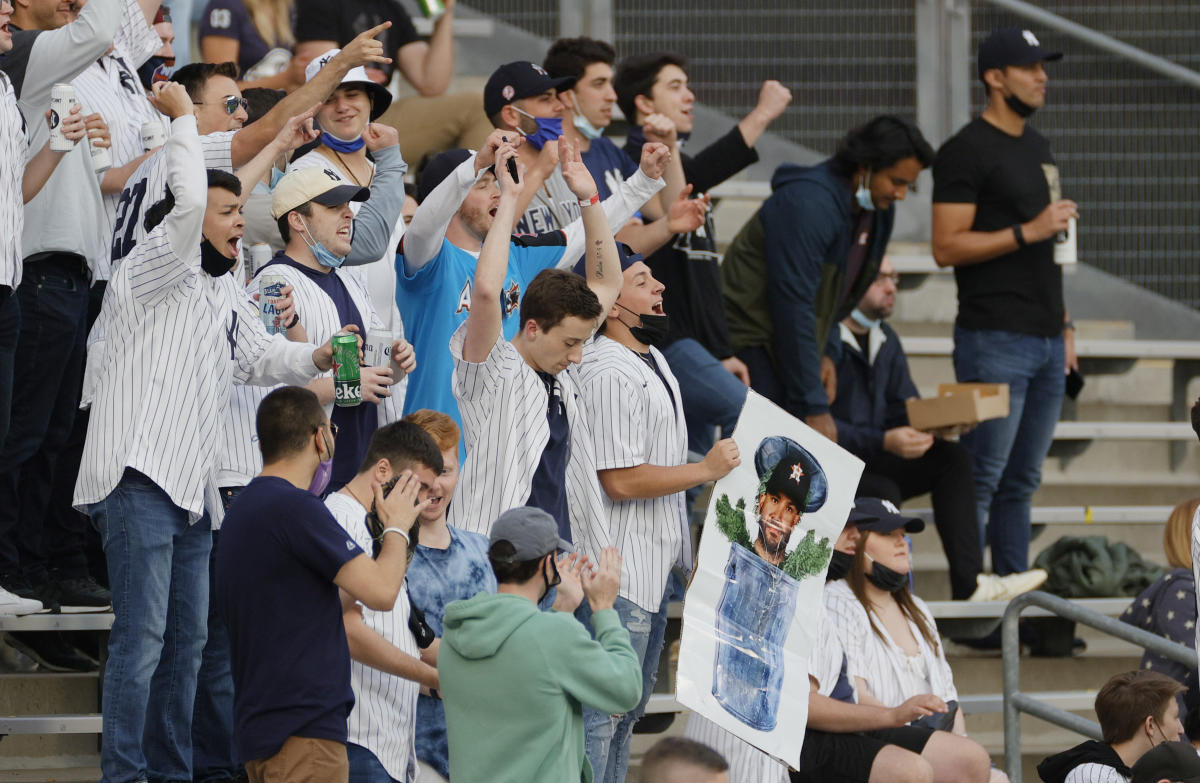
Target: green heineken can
347	386
432	9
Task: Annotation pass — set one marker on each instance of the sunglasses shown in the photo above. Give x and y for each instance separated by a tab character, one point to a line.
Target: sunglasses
232	103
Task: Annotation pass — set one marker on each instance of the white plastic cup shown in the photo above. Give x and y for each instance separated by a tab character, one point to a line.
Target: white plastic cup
101	157
62	98
377	349
1066	247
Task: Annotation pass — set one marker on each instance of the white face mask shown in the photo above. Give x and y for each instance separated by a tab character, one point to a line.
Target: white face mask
863	194
586	128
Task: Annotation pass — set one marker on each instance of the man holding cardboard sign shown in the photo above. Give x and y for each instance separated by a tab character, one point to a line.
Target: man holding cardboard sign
902	462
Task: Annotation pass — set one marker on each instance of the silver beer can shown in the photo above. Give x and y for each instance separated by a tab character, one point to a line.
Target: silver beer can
260	256
270	291
377	348
101	157
62	98
153	136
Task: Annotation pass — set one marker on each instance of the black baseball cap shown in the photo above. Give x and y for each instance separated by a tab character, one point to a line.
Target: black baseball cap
521	79
532	532
438	168
1175	761
625	253
1012	46
887	517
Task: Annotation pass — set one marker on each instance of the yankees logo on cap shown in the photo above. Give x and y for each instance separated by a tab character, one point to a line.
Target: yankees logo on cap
516	80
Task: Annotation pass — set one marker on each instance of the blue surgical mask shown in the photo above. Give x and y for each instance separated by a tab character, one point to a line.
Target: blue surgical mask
862	320
342	145
586	128
276	175
323	256
548	130
863	194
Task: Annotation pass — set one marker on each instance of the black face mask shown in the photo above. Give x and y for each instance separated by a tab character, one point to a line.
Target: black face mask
839	566
1022	109
886	579
212	261
653	330
155	70
549	584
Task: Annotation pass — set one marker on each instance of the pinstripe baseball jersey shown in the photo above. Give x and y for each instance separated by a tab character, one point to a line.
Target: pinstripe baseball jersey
503	405
241	459
385	706
1095	773
15	153
747	764
880	662
1196	568
181	338
110	86
637	420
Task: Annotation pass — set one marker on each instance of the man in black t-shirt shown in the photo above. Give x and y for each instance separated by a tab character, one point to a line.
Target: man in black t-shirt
429	121
997	207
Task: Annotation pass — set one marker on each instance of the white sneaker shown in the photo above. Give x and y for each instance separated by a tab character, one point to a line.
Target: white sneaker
11	604
1005	588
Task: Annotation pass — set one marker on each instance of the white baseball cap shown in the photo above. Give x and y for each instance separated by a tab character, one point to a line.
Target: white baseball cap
381	99
321	185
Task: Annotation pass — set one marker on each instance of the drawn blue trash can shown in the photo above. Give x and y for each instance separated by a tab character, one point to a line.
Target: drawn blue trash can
753	618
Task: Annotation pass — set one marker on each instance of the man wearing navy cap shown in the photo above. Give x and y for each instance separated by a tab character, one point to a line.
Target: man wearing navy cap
997	208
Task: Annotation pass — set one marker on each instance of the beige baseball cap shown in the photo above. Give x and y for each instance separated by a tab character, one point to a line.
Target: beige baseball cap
319	184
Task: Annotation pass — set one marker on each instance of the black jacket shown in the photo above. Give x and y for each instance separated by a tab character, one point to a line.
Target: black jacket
1055	769
871	391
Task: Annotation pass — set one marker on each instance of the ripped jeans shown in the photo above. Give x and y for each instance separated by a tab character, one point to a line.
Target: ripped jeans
607	736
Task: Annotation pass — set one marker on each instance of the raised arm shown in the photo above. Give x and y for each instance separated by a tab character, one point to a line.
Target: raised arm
60	55
428	67
601	262
362	50
485	321
296	132
378	217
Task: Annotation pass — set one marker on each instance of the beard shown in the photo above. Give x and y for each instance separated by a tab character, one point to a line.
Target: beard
774	549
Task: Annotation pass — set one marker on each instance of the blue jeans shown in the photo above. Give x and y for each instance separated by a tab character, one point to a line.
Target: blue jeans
158	571
365	767
1008	453
606	740
214	752
712	395
47	376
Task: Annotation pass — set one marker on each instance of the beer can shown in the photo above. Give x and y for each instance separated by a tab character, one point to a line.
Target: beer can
62	98
153	136
101	157
377	350
431	9
270	291
347	384
260	256
1065	246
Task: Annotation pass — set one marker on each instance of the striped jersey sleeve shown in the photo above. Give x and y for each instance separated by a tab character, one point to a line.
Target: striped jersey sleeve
1094	773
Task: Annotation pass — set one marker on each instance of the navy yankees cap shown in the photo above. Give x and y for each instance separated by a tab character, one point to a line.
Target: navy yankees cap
516	80
1175	761
1012	46
624	252
532	532
886	517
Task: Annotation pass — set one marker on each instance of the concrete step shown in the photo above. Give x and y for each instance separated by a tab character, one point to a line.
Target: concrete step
48	693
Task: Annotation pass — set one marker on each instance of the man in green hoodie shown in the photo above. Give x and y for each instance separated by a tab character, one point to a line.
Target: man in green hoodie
514	679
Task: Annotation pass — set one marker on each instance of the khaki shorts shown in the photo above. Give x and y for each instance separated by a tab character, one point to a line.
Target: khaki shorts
302	760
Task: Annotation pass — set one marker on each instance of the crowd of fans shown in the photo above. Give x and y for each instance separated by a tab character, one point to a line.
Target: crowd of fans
477	555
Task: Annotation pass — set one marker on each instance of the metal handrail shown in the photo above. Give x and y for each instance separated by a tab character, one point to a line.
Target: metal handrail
1087	35
1016	702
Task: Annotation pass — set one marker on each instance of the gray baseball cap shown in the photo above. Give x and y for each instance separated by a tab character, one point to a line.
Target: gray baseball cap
532	532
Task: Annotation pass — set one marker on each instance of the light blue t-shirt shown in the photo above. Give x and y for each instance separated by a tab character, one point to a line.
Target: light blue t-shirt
436	300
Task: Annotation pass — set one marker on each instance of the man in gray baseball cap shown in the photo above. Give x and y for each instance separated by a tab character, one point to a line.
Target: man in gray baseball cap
514	678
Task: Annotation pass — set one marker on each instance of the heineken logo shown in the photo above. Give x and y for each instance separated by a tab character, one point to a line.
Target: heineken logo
346	391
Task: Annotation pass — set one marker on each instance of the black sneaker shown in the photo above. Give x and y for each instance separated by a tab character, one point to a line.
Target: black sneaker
79	595
51	652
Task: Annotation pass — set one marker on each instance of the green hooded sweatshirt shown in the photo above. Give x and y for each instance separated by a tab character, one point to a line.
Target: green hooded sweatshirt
514	678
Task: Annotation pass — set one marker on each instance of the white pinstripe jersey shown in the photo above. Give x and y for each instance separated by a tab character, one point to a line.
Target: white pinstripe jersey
384	718
111	87
241	459
879	662
1196	569
181	337
1094	773
747	764
503	405
634	421
15	153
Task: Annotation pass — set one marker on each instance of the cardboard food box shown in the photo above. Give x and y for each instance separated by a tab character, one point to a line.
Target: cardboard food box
959	404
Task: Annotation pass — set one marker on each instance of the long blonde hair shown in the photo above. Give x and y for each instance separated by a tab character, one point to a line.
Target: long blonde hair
856	579
1177	536
273	20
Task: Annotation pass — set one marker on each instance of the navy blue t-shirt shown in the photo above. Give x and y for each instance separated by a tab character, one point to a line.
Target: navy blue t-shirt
608	164
548	490
357	424
277	556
